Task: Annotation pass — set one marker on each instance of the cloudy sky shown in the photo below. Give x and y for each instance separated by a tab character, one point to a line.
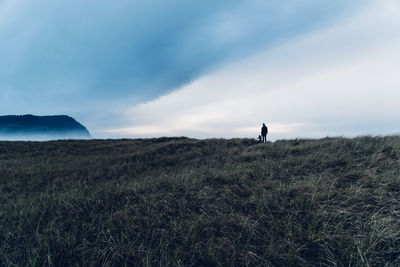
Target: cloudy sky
147	68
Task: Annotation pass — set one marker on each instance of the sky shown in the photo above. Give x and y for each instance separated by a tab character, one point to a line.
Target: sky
205	69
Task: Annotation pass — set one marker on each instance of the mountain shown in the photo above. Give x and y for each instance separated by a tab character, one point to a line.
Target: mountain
30	127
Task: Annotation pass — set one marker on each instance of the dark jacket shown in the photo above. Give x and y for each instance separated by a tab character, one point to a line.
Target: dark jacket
264	130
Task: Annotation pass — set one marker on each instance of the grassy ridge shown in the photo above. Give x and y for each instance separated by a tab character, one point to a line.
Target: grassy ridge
179	201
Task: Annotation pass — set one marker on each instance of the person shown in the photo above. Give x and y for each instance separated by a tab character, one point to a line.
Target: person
264	132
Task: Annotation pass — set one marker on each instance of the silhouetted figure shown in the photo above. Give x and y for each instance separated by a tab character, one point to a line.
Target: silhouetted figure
264	132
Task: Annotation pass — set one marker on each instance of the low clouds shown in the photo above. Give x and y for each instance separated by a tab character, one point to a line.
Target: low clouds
340	80
308	68
92	59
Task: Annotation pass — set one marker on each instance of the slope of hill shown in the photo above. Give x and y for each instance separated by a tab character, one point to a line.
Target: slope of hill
186	202
30	127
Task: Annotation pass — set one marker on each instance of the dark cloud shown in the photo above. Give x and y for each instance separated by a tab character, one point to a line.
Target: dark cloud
60	53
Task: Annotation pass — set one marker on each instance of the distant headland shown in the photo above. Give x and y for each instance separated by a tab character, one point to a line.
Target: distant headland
31	127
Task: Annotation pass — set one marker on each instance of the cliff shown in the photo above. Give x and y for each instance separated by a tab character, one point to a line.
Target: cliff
30	127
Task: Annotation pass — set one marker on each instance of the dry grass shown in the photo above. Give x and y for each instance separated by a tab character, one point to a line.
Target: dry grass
185	202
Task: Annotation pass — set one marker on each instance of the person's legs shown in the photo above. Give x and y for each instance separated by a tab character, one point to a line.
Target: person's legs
264	138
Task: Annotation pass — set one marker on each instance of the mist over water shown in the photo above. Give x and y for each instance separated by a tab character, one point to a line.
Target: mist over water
73	135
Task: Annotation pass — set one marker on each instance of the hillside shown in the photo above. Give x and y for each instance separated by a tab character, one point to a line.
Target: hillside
186	202
31	127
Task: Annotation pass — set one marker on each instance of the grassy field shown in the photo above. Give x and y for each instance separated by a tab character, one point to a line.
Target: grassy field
186	202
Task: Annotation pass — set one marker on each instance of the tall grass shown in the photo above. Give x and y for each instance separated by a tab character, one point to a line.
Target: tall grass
186	202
